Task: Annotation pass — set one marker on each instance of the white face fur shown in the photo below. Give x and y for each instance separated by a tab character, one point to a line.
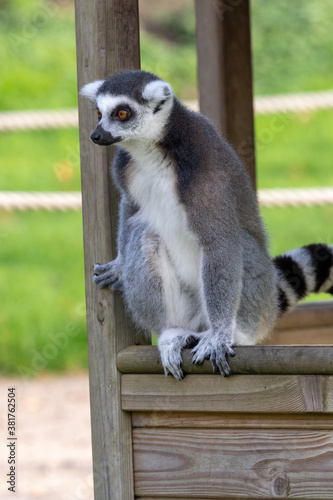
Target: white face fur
124	117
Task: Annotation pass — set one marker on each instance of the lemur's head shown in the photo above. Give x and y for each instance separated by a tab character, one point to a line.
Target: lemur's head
131	105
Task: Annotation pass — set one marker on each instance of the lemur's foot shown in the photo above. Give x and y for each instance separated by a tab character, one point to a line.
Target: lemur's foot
108	274
213	346
171	343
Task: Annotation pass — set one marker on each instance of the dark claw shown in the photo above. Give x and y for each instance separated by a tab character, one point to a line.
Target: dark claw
197	363
191	342
226	372
215	367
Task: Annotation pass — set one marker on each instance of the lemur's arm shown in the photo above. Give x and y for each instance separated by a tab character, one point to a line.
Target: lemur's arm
111	273
218	230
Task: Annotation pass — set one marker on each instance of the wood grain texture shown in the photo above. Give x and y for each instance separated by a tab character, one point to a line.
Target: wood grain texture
209	420
311	336
309	315
248	360
327	389
225	72
107	38
238	393
219	463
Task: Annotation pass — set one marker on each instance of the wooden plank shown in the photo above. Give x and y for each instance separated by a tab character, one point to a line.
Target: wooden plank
219	498
308	315
225	72
238	393
248	360
309	336
107	39
328	394
219	463
209	420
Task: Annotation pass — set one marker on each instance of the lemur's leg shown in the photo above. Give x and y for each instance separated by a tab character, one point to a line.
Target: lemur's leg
159	301
137	268
143	289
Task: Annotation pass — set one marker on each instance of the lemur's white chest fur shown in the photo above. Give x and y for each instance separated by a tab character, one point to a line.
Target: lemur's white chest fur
152	184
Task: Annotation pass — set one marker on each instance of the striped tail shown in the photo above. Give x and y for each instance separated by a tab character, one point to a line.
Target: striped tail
303	271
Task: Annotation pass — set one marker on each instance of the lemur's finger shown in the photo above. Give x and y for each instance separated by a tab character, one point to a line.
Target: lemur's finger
102	268
117	285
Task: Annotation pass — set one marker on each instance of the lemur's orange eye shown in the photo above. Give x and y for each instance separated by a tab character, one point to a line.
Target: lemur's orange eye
122	114
99	114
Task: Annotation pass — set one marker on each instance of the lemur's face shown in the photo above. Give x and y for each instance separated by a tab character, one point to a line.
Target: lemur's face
130	106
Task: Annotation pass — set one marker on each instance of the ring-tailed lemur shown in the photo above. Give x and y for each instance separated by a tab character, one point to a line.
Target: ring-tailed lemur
192	258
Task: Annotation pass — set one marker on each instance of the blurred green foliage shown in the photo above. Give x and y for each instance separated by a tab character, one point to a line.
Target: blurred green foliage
42	313
41	255
292	45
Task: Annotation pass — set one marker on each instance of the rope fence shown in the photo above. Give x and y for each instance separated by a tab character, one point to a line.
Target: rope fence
52	119
19	200
294	197
270	198
34	120
45	119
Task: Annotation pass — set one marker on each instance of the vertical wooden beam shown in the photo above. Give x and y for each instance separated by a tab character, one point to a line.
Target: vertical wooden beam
107	33
225	71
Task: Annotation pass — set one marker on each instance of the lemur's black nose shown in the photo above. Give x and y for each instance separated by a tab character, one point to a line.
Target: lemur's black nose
103	137
96	137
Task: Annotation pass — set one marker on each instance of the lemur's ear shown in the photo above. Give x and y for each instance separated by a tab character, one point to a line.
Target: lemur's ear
157	91
90	90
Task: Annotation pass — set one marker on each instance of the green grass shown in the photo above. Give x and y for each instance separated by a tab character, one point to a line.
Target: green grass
294	150
291	227
41	292
292	45
292	50
40	160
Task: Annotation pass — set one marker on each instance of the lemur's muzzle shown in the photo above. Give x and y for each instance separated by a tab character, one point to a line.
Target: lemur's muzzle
102	137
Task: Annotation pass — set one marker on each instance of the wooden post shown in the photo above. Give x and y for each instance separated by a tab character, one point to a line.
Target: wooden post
107	35
225	71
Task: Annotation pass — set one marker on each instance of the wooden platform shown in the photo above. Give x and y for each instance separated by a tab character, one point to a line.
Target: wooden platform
260	435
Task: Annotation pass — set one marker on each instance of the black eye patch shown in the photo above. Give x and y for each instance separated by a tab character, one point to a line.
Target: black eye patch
122	113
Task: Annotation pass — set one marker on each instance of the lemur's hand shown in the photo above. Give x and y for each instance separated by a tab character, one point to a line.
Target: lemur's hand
109	274
216	347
